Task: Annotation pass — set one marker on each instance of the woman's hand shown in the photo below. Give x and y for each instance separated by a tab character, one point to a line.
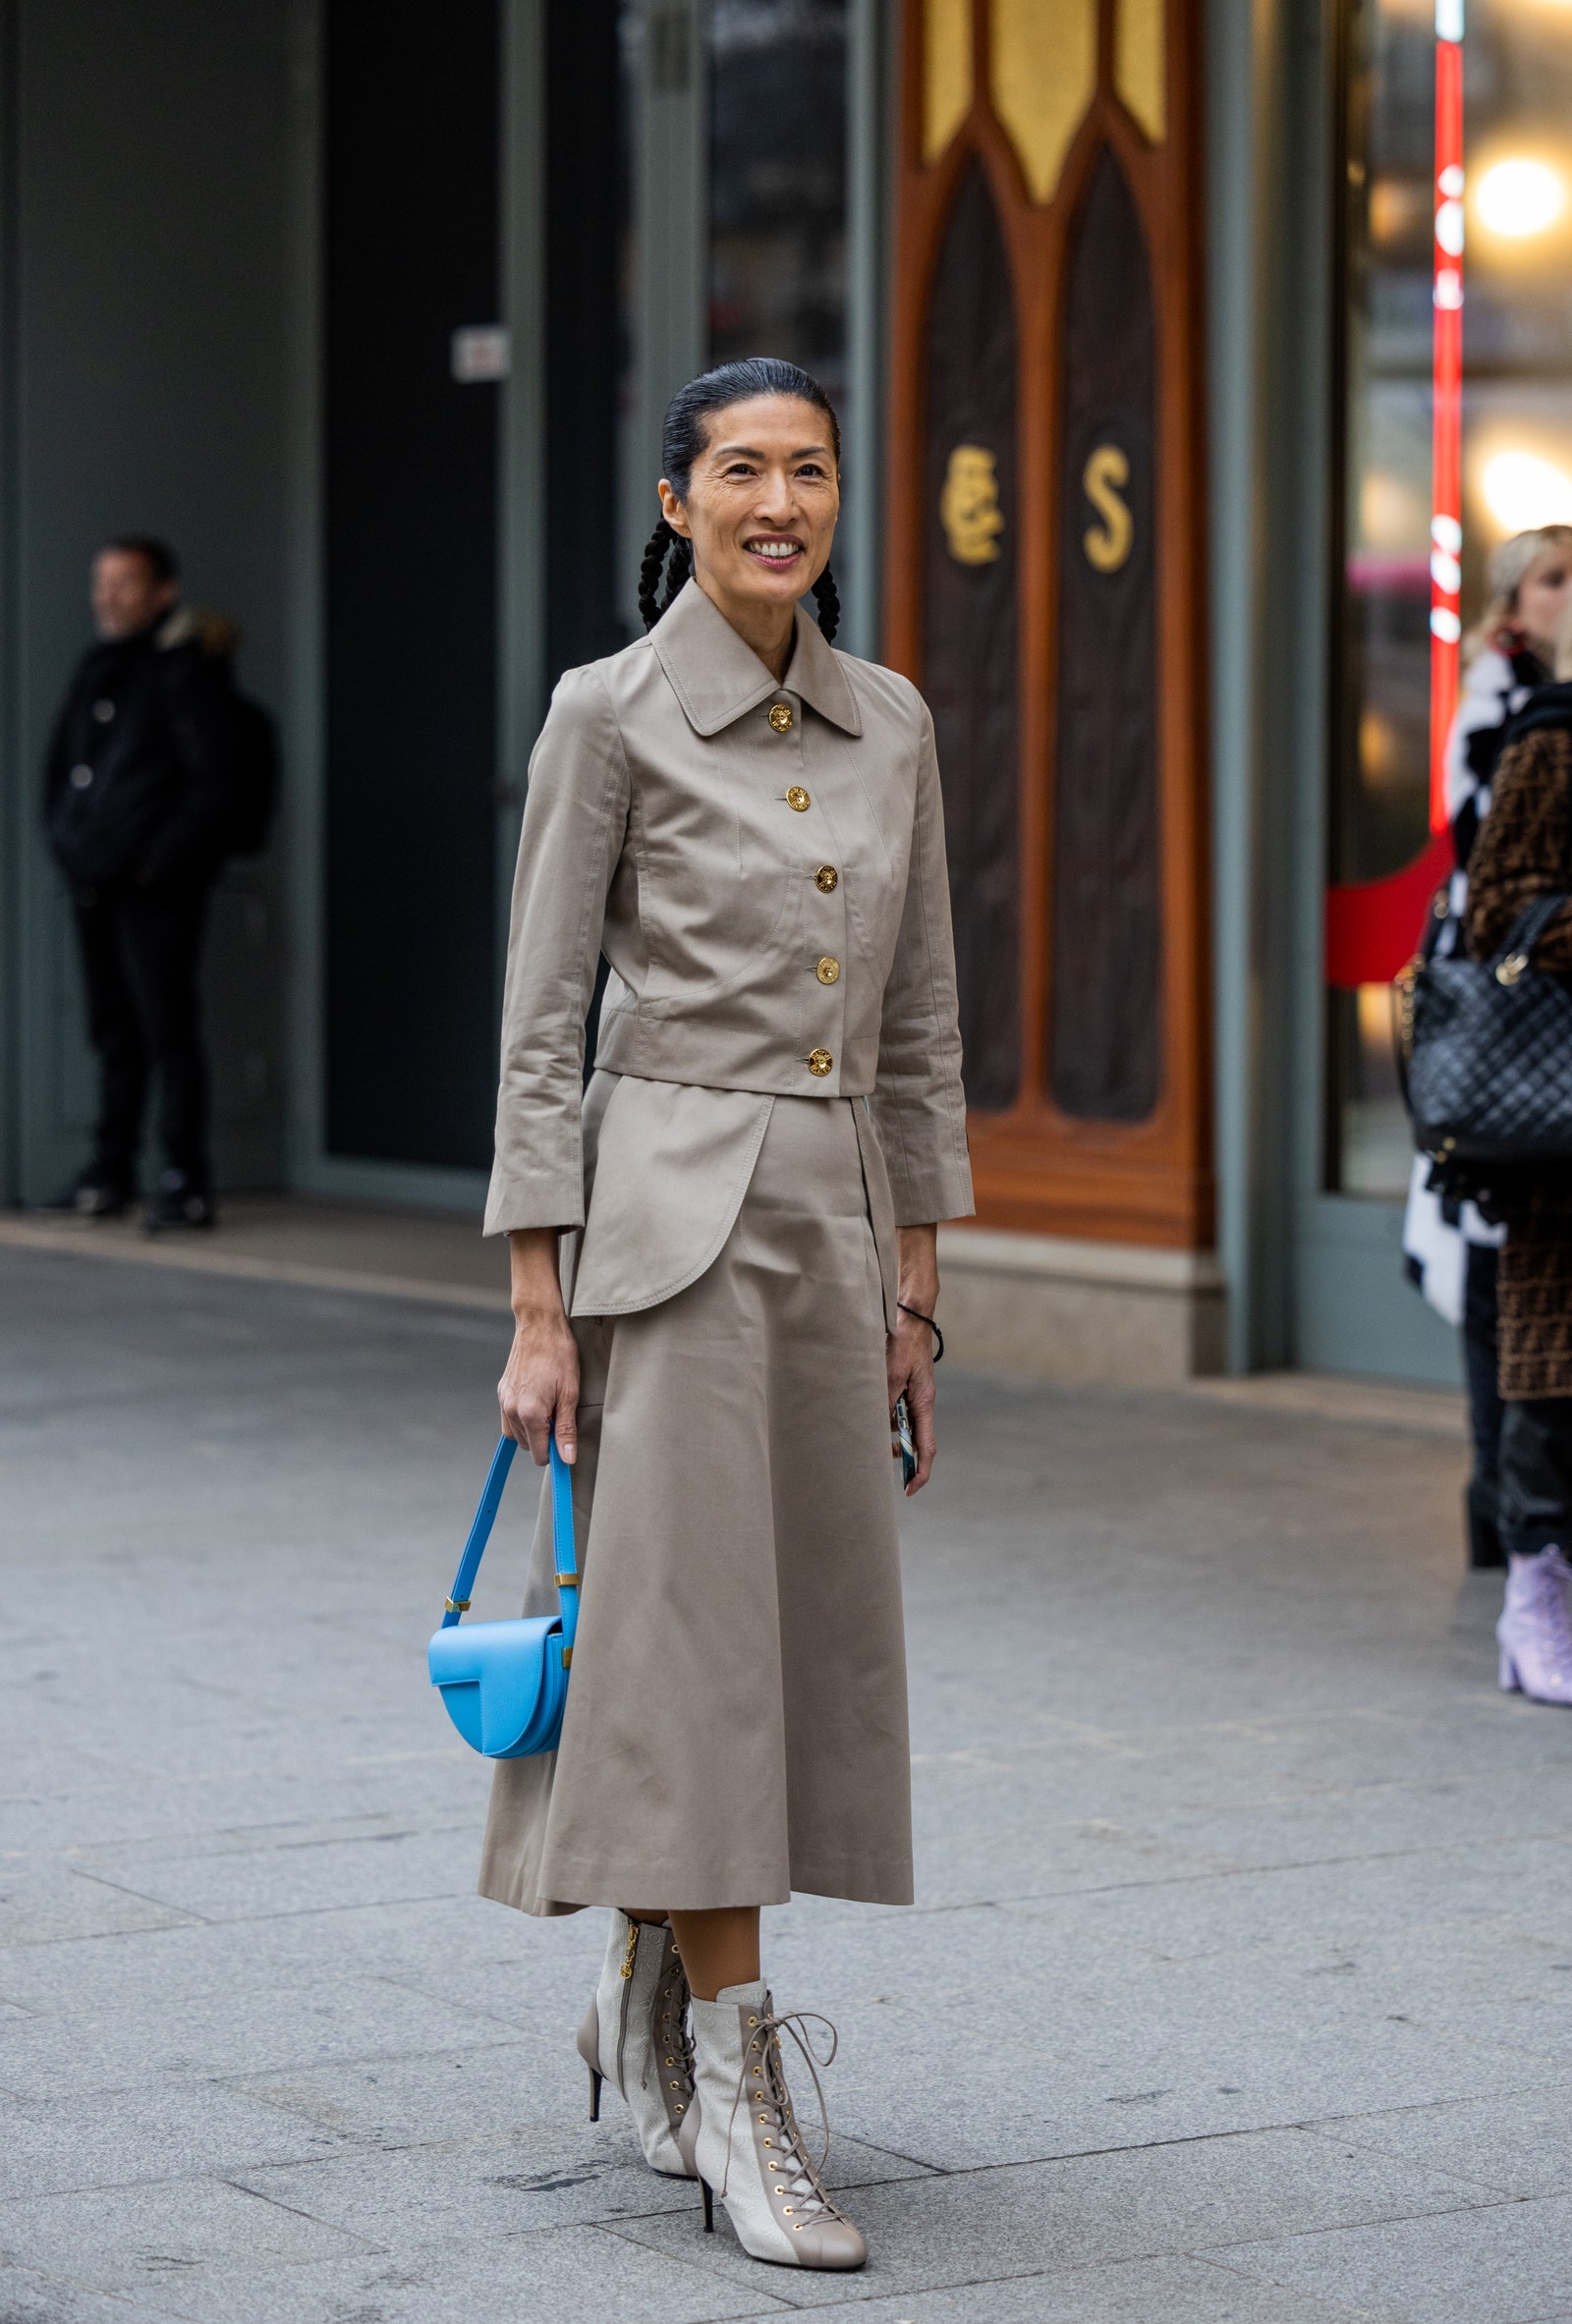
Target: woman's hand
540	1386
909	1348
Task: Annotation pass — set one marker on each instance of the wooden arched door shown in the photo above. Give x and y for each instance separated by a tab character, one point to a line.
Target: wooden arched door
1045	578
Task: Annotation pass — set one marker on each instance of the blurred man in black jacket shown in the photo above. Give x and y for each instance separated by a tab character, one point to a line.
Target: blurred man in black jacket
137	806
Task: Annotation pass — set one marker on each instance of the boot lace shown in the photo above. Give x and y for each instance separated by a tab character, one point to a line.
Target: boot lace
674	2040
795	2173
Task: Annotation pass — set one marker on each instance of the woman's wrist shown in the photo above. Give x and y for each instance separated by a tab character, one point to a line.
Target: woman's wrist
535	1283
919	1269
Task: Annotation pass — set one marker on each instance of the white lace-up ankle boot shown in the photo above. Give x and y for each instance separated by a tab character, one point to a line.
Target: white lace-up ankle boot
1534	1632
635	2035
742	2140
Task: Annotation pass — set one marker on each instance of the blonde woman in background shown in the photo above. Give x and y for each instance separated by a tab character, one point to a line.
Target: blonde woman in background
1451	1251
1524	855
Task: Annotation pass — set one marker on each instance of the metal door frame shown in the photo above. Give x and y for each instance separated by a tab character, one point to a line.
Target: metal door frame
1315	1278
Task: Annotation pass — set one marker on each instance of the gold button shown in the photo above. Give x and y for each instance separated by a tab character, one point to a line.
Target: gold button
827	879
819	1062
780	717
798	800
827	970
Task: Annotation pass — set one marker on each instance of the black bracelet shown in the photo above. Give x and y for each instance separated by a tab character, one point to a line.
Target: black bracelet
938	1352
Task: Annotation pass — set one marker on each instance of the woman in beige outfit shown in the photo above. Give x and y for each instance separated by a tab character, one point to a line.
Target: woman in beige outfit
748	826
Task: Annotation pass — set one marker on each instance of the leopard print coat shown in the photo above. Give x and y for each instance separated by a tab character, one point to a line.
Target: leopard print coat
1524	852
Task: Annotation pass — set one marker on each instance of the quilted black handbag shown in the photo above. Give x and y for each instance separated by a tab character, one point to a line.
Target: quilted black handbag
1488	1048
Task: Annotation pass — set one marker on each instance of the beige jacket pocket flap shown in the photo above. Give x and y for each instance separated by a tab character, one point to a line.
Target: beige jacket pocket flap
672	1163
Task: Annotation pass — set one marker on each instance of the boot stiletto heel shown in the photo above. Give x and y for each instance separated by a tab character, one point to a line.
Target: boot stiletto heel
710	2206
595	2080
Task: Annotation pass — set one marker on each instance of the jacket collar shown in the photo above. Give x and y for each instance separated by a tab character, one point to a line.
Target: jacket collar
716	677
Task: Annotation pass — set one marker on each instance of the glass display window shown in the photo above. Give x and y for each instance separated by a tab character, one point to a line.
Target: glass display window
777	184
1501	230
779	136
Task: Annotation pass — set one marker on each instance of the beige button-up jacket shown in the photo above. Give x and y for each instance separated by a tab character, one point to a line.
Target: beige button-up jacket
764	867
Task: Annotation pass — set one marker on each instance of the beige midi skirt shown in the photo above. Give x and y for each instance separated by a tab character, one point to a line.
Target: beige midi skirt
736	1725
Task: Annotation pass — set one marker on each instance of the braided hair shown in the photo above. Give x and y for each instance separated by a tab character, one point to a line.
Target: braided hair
668	558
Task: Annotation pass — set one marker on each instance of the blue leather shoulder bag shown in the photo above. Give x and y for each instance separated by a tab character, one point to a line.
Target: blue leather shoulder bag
505	1683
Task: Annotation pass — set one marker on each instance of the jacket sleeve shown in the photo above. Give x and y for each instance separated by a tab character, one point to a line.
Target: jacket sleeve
1522	850
918	1104
205	734
58	760
575	823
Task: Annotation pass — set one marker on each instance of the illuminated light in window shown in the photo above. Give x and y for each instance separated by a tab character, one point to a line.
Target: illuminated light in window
1398	208
1522	490
1519	197
1381	751
1391	512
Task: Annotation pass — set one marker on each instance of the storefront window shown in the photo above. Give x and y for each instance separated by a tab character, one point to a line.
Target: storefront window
777	184
1516	439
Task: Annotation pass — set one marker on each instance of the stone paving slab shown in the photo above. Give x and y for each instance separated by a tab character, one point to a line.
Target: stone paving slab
1511	2265
126	2138
271	2028
66	1901
1527	1882
1187	2291
1235	1993
132	2238
1518	2144
973	2225
579	2275
33	2298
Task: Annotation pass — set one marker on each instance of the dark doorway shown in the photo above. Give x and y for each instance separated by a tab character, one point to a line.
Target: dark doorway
1104	1018
587	351
968	628
410	458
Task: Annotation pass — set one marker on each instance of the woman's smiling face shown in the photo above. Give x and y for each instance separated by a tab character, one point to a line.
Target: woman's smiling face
762	501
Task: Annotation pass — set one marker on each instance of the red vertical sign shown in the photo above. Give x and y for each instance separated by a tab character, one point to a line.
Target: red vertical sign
1446	425
1372	924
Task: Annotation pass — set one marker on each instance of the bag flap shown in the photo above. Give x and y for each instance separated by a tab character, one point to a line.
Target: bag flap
475	1651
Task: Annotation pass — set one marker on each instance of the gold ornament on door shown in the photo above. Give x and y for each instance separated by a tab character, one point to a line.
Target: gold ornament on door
1107	544
969	506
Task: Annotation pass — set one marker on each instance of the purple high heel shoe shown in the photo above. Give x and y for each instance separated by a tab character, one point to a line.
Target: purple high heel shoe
1534	1632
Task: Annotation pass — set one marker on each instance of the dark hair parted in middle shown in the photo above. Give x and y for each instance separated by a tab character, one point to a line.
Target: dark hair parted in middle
684	434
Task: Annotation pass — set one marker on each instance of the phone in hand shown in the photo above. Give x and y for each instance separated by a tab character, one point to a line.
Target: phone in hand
901	1439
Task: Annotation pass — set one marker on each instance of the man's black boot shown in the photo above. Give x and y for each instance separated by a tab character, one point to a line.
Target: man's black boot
179	1201
92	1195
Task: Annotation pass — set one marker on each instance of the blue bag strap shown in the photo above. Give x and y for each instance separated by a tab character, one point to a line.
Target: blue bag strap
564	1551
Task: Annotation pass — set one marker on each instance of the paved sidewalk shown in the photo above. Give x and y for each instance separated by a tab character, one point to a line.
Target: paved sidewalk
1237	1993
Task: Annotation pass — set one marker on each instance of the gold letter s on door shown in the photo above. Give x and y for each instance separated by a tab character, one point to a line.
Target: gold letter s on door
1107	544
